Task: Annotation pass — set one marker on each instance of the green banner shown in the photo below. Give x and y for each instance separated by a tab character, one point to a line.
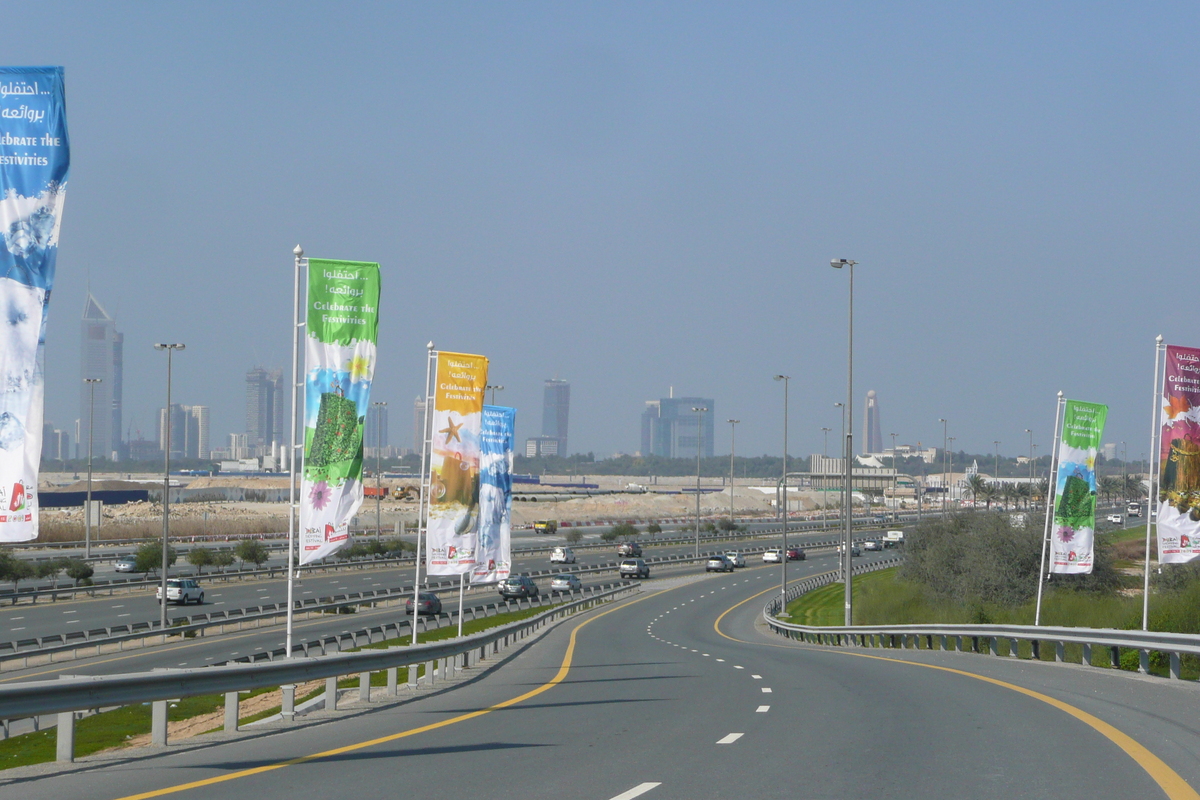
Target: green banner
1075	488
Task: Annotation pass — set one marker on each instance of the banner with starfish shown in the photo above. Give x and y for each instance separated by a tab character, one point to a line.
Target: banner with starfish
339	365
452	527
1179	458
1071	550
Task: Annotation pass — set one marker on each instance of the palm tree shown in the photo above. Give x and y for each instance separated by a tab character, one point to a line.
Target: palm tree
1109	487
977	486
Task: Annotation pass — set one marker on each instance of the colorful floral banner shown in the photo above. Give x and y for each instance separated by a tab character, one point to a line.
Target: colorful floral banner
494	561
339	365
1179	458
34	162
452	527
1071	550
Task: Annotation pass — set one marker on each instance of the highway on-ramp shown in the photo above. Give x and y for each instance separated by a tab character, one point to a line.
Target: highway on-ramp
681	693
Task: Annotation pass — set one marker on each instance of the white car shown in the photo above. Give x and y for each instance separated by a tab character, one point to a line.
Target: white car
773	557
872	544
1116	519
182	591
737	558
562	555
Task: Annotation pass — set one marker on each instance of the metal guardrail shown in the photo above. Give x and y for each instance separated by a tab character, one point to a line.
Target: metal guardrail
17	654
985	638
69	695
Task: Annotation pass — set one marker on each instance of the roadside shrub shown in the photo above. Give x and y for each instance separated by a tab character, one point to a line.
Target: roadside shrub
573	536
624	530
654	527
251	551
79	570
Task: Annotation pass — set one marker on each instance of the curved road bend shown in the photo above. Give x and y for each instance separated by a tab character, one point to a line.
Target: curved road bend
649	698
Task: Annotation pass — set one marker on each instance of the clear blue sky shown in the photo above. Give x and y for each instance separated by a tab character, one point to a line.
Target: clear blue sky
644	195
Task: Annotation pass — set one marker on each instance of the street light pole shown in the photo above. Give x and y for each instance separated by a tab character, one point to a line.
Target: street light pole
997	443
496	388
379	406
842	406
162	619
950	455
838	263
699	450
945	480
1030	432
87	514
732	447
784	496
895	500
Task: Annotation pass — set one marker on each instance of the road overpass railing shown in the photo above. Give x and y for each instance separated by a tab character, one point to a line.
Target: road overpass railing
70	695
1008	641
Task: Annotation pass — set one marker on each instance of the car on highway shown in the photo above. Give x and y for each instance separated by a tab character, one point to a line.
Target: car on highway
872	544
562	555
718	563
125	564
855	551
565	583
427	603
629	549
634	568
772	557
518	586
1134	510
182	591
1116	519
737	558
879	519
796	554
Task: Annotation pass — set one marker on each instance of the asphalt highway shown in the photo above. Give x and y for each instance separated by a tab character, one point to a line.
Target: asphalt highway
680	693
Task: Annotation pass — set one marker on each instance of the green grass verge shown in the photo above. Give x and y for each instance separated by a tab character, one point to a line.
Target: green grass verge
112	728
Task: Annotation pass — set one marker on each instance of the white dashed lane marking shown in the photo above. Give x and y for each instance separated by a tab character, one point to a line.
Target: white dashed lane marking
766	689
762	709
730	738
636	791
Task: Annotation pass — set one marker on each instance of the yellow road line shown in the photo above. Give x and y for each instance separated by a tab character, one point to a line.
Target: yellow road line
563	670
1170	781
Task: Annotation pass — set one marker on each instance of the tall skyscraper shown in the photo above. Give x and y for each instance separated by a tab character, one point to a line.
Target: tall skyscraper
672	430
265	409
101	356
872	431
556	411
189	431
375	432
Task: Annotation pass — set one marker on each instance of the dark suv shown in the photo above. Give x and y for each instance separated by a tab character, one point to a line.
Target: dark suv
518	586
629	549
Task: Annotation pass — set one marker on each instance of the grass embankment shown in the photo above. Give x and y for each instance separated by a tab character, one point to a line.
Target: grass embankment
882	598
114	728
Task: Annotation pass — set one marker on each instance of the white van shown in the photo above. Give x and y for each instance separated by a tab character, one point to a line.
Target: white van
893	538
562	555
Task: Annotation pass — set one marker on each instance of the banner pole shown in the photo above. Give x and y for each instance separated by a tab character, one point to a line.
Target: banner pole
462	586
299	254
422	506
1152	494
1051	489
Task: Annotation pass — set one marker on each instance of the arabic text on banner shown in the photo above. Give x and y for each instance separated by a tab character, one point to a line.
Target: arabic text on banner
339	365
1179	458
493	561
452	526
1071	541
34	161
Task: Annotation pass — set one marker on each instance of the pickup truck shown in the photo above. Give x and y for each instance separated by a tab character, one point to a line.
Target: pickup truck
545	526
893	538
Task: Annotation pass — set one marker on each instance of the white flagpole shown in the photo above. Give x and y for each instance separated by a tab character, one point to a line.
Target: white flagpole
1051	490
296	325
462	586
423	505
1152	499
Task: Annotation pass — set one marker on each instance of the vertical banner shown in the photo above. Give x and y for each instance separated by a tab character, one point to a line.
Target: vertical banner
339	364
1071	550
34	161
1179	458
494	560
452	527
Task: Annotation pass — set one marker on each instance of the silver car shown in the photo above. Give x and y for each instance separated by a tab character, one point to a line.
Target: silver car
182	591
737	558
634	568
125	564
565	583
718	563
772	557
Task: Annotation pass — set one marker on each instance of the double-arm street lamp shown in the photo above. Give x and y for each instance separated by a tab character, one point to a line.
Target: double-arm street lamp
496	388
699	410
732	446
170	348
784	496
839	263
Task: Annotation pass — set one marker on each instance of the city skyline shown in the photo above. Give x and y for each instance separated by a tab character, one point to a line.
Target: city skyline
650	192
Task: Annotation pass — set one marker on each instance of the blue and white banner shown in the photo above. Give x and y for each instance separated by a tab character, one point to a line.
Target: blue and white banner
34	161
495	495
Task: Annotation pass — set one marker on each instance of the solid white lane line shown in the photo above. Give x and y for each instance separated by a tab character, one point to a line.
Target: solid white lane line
731	738
766	689
762	709
636	791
